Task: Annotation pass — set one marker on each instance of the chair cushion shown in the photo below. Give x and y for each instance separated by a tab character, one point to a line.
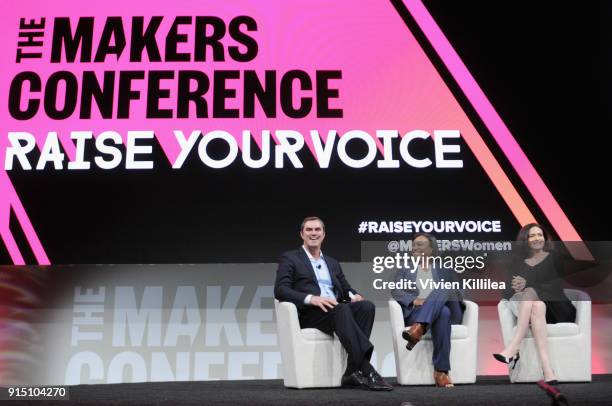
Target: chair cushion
457	331
313	334
557	330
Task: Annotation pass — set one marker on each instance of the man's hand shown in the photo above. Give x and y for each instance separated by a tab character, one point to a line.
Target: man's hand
357	298
418	302
323	302
518	283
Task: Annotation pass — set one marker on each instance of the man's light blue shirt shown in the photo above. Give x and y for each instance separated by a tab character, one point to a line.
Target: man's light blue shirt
323	276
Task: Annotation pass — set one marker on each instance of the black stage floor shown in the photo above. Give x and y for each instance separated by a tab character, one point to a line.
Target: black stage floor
489	390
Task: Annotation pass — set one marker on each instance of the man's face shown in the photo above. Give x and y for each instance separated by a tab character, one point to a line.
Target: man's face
421	247
312	234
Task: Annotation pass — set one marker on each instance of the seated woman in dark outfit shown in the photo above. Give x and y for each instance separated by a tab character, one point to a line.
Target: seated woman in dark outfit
536	295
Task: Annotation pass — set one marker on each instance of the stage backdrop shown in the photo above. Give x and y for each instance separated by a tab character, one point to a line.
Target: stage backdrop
201	132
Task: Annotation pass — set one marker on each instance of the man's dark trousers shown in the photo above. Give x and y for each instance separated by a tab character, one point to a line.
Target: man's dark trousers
439	313
352	323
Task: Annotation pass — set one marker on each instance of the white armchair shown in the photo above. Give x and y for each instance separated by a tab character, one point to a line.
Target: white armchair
415	367
569	344
311	358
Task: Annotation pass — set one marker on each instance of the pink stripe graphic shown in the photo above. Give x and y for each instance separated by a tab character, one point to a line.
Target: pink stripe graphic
10	199
494	123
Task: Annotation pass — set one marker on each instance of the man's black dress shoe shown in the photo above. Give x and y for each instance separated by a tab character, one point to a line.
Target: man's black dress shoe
356	379
376	382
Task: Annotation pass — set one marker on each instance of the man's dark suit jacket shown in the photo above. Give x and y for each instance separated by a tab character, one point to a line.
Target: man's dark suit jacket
296	279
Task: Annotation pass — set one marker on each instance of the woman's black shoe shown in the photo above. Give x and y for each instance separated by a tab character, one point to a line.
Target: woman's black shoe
512	361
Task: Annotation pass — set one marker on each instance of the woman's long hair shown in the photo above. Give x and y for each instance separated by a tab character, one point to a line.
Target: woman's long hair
522	245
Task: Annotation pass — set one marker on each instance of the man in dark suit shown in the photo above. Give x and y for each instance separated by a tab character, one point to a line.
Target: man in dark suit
326	301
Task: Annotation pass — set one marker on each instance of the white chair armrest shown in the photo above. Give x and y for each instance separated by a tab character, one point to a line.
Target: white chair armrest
470	316
582	302
287	318
506	320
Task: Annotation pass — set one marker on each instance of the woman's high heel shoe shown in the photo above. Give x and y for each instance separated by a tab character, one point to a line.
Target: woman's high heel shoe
512	360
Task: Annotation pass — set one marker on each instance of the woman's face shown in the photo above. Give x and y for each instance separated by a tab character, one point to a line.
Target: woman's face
535	238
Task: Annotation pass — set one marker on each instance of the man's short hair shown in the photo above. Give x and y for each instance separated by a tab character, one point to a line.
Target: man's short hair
433	243
311	218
